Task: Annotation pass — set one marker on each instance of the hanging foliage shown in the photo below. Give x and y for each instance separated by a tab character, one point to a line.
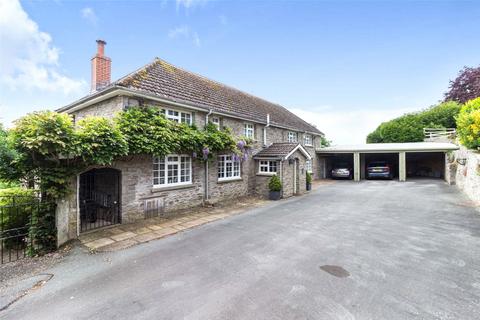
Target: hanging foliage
48	148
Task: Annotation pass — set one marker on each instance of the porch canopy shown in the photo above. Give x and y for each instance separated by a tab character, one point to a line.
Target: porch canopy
405	156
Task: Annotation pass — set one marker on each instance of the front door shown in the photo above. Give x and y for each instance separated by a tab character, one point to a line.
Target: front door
99	198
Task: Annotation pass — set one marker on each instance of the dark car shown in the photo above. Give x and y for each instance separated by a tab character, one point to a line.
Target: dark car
379	169
342	170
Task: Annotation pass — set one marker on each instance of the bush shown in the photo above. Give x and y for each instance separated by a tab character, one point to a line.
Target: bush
275	184
309	177
468	124
409	127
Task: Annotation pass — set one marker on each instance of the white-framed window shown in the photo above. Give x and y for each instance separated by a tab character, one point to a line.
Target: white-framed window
249	130
292	136
228	168
267	166
308	166
172	170
216	122
307	140
178	116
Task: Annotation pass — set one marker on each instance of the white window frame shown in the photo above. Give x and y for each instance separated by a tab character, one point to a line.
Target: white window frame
309	166
292	136
179	117
266	166
224	161
309	138
166	162
216	122
249	130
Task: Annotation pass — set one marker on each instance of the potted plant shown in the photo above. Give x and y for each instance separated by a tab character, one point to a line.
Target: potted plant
275	187
309	181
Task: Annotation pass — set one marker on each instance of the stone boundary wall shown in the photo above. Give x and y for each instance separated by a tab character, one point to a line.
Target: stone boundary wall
463	170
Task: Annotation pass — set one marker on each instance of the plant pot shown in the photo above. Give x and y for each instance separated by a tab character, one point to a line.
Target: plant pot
309	186
274	195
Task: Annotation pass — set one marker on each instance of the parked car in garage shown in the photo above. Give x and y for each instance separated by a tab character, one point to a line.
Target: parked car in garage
379	169
342	170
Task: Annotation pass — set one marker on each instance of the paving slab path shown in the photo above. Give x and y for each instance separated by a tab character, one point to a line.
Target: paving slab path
370	250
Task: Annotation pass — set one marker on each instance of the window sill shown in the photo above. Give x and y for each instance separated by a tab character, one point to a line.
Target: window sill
168	188
229	180
269	174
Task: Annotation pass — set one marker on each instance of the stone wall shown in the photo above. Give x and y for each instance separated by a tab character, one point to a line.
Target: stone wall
107	108
287	175
463	170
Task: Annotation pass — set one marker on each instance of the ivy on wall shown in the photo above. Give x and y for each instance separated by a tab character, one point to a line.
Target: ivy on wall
47	148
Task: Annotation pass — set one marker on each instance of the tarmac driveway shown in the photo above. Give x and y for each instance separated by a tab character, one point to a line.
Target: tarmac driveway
370	250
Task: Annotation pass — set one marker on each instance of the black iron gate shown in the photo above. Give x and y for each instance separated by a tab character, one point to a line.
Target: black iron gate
99	198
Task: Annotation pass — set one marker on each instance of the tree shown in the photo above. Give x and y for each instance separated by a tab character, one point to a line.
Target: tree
468	124
409	127
465	87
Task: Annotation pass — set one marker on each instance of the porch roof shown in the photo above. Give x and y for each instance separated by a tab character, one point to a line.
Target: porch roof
280	150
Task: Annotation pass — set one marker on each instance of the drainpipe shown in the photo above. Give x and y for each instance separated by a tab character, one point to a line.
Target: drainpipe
265	130
206	194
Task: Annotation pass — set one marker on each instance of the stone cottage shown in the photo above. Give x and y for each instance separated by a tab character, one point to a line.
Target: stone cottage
144	186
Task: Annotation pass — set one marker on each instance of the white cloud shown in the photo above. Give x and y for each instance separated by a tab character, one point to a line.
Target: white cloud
89	15
185	32
188	4
28	60
348	127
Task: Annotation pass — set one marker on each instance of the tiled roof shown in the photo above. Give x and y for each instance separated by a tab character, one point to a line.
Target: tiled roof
276	150
165	80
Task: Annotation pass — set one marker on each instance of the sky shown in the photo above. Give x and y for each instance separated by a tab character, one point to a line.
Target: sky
344	66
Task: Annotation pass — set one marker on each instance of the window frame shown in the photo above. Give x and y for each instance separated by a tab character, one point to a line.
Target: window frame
294	134
309	166
179	117
249	127
222	161
268	166
166	163
309	144
216	122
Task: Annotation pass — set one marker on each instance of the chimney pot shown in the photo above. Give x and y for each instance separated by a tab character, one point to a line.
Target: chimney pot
101	68
101	47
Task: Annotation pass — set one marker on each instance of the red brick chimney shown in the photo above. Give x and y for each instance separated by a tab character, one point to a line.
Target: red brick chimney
101	68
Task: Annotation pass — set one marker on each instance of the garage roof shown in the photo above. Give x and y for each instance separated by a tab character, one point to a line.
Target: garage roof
391	147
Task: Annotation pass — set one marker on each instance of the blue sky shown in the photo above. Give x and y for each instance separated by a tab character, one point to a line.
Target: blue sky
344	66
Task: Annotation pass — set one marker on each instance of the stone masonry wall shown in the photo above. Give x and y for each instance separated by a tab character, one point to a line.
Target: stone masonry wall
287	175
463	170
137	173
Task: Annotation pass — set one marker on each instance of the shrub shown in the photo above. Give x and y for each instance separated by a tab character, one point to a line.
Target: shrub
275	184
309	177
409	127
468	124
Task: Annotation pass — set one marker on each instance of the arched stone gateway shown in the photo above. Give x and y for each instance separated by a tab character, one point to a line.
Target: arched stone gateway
99	198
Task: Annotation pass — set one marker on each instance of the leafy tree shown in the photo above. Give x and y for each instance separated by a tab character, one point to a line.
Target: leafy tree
409	127
468	124
466	86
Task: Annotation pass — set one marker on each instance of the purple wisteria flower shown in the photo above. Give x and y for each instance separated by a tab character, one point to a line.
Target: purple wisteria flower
241	144
194	155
